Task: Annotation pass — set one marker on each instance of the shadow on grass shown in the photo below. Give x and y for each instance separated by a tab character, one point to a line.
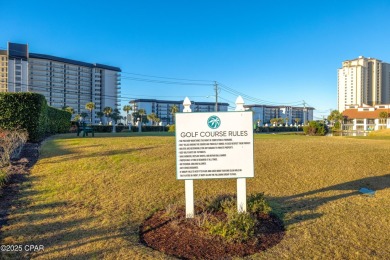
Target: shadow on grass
52	149
44	224
37	223
19	170
111	152
306	202
54	233
120	134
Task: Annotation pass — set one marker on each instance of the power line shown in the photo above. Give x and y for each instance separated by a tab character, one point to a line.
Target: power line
253	99
166	82
83	94
144	75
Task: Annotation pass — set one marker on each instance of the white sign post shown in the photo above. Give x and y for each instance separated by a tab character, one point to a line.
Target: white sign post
241	182
189	184
214	145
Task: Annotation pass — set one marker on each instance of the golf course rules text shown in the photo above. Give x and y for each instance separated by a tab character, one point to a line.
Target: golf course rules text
214	145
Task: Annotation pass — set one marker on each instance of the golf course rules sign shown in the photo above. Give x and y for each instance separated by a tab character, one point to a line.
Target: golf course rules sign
214	145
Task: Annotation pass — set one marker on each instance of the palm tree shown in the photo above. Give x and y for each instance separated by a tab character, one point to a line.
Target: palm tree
383	116
107	111
69	109
336	116
173	110
297	120
141	113
127	109
274	121
116	115
100	115
76	117
153	117
158	120
90	106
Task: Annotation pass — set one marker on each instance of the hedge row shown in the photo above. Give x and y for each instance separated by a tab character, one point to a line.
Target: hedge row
30	111
149	128
106	128
264	129
120	128
58	121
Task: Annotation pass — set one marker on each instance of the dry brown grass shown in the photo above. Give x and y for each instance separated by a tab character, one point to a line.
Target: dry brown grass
86	197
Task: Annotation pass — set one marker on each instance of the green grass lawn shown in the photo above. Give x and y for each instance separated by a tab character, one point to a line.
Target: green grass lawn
86	197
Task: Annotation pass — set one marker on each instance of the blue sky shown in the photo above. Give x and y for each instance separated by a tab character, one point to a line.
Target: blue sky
275	52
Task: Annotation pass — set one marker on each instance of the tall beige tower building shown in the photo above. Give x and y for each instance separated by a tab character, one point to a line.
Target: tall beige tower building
363	81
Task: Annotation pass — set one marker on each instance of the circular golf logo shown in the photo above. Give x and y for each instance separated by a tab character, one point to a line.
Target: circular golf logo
213	122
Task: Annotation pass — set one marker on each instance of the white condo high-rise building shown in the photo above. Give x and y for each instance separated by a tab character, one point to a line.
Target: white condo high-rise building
63	82
363	81
290	115
162	108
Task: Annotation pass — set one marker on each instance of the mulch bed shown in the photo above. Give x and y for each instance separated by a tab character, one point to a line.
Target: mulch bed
183	238
18	171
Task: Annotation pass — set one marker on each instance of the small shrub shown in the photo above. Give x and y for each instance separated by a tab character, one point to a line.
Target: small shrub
171	129
119	128
171	211
315	128
11	144
228	222
236	227
214	204
228	205
336	126
3	177
257	204
202	219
